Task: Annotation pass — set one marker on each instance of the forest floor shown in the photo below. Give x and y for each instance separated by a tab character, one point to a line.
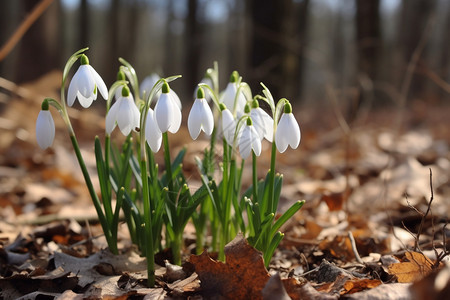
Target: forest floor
374	225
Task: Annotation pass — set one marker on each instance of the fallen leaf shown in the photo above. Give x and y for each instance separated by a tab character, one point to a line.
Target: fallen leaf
358	285
242	276
415	268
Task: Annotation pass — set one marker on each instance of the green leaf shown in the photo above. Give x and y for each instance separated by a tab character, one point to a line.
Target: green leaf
271	248
286	216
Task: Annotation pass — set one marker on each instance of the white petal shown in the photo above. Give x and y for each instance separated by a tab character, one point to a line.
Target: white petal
263	123
194	120
228	95
101	86
72	93
86	82
86	101
175	98
176	117
163	112
288	133
245	142
136	116
207	118
125	116
256	142
228	126
152	133
45	129
111	117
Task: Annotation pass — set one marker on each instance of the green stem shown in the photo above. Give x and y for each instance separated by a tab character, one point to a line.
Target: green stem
149	249
272	179
168	163
255	178
93	194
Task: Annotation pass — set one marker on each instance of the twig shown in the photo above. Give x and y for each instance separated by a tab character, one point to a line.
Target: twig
354	249
24	26
419	232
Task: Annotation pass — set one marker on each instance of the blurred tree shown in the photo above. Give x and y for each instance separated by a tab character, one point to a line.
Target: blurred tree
39	48
368	36
278	37
193	40
415	15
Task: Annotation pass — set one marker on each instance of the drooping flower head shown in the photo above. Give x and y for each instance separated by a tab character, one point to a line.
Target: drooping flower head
85	85
262	121
228	124
167	111
228	97
288	131
123	113
152	133
45	127
249	140
200	116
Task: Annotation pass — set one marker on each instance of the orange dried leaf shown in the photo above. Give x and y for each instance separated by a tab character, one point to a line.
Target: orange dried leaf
417	266
358	285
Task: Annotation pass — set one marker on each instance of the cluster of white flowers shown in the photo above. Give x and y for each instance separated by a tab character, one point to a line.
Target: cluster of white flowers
242	122
258	125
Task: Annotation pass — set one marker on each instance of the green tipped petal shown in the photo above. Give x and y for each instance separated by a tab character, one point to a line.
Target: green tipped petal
200	93
165	88
84	60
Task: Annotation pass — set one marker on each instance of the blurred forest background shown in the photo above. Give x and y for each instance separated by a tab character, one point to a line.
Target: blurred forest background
362	50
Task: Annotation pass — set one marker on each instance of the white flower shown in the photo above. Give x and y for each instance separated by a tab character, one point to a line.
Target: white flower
167	111
263	123
228	98
123	112
147	85
200	117
288	131
85	85
249	141
152	133
45	129
228	126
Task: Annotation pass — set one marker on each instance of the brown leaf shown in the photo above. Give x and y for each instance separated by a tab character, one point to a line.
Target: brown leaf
242	276
416	267
358	285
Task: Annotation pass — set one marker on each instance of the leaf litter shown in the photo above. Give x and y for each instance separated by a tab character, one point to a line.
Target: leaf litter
372	186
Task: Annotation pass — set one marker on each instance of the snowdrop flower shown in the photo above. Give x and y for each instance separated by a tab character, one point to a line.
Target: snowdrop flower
249	141
288	131
147	85
152	133
228	124
167	111
123	112
200	116
45	127
85	85
262	121
228	96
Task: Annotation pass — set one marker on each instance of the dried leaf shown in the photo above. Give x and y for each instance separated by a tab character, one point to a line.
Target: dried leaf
417	266
358	285
242	276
